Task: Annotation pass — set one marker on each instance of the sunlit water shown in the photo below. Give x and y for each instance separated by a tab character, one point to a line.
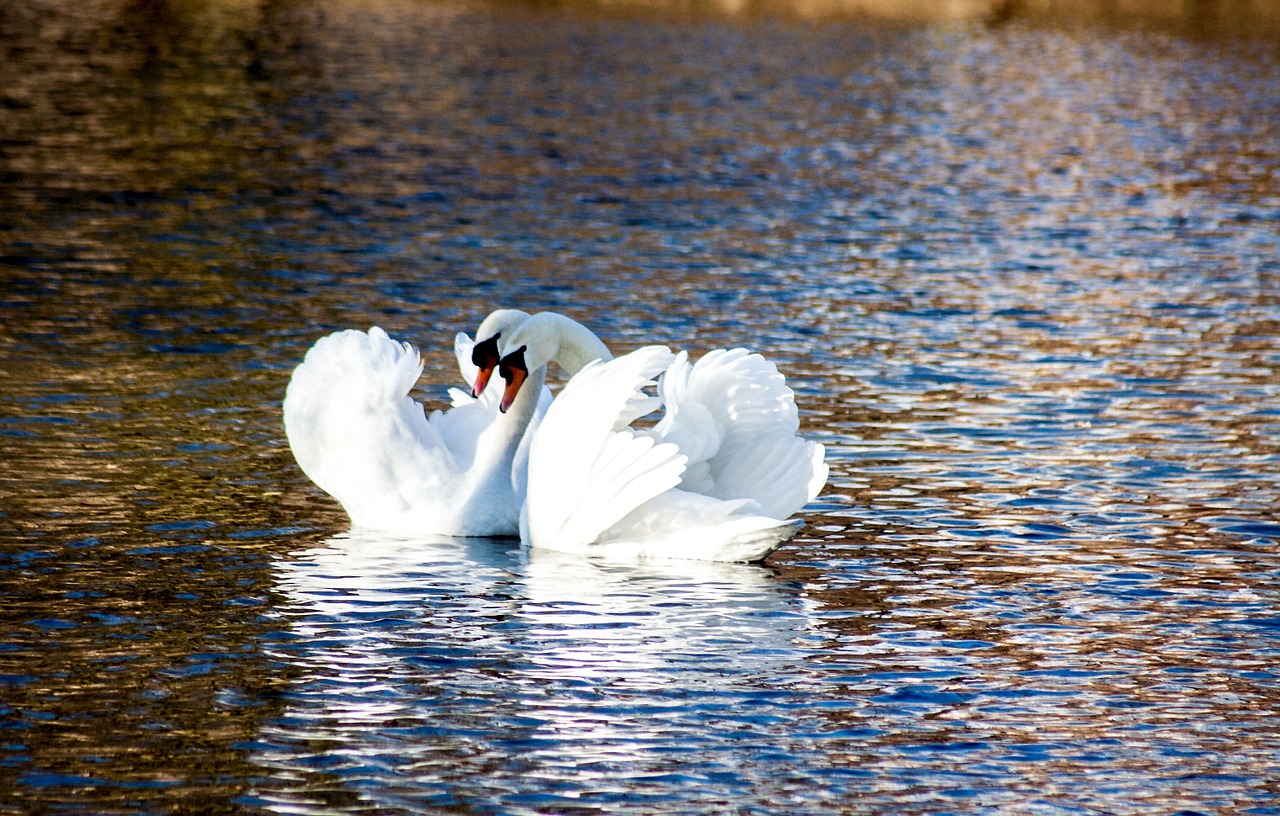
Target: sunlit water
1025	279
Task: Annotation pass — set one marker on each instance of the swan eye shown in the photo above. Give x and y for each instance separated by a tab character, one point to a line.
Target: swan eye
484	355
514	370
513	362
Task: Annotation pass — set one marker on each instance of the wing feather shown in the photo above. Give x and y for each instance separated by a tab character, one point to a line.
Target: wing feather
462	345
355	431
734	415
587	468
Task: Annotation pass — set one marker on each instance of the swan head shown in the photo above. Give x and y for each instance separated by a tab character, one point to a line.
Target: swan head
485	354
540	340
514	370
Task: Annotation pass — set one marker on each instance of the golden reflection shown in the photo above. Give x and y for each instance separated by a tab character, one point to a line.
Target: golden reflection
1019	270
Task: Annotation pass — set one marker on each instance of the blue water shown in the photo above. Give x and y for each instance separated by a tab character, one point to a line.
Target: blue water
1023	274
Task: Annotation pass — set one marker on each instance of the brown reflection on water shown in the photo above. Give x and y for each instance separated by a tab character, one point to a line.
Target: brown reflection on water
168	658
131	620
978	253
1012	653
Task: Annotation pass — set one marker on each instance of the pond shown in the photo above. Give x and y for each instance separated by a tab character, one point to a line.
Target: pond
1023	273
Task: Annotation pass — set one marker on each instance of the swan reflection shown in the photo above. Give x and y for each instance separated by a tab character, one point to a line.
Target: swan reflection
643	621
425	665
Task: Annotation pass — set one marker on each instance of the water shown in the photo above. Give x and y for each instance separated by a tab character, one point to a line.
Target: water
1024	277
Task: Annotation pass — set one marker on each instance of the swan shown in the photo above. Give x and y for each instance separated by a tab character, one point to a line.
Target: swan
357	434
715	479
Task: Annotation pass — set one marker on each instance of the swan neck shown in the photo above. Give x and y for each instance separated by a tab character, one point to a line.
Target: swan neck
526	402
496	449
575	344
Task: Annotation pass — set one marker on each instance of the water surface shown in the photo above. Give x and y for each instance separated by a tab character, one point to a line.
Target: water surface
1024	275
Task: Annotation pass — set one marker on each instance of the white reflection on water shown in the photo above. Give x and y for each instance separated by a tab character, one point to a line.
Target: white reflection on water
423	663
1024	280
619	620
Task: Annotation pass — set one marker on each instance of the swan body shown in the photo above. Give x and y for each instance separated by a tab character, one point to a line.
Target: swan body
357	433
715	479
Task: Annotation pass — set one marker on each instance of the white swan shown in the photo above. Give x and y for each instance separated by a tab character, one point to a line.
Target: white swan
715	479
358	435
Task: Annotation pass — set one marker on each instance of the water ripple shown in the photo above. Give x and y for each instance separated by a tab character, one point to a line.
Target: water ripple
1022	275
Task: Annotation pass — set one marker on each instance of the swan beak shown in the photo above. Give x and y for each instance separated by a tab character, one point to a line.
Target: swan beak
514	370
513	388
485	357
482	382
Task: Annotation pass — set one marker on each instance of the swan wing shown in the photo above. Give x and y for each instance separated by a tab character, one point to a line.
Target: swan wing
735	417
462	345
460	427
357	434
686	525
587	467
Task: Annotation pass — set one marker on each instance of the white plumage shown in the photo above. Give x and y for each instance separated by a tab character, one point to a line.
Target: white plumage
714	479
357	433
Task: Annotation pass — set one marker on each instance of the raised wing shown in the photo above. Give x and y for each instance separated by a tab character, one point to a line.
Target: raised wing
587	467
735	417
355	431
462	345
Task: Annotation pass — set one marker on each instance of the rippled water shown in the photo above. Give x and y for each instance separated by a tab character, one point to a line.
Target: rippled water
1024	275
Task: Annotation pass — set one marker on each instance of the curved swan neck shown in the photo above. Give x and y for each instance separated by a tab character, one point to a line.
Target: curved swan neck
496	447
550	336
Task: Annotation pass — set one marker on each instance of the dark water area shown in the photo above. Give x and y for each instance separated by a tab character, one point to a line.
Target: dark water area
1024	275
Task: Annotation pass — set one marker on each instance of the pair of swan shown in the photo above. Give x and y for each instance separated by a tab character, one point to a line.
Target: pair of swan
715	478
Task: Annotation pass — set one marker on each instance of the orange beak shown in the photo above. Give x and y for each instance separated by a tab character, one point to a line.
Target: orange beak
513	388
482	382
484	355
514	371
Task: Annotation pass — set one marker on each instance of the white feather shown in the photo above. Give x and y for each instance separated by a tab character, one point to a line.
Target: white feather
714	479
357	434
